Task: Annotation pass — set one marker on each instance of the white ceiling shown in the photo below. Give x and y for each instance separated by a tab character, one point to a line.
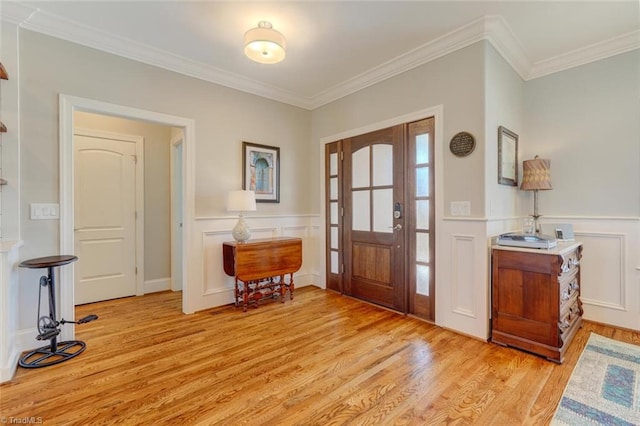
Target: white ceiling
336	48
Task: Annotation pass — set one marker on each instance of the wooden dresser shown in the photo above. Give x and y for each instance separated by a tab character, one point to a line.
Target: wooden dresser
260	267
535	300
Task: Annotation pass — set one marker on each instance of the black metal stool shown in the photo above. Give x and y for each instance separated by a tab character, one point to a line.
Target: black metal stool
49	326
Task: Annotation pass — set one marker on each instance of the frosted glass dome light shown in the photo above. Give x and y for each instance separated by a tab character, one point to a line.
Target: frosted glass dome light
263	44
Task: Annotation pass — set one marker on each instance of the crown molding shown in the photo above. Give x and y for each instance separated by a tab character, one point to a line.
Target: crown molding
55	26
15	13
601	50
493	29
448	43
504	40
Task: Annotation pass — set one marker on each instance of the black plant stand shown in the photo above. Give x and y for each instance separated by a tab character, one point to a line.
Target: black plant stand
48	326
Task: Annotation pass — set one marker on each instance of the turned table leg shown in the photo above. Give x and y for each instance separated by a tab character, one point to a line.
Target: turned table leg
291	288
283	288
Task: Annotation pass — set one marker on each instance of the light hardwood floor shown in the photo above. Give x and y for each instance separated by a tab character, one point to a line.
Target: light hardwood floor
322	359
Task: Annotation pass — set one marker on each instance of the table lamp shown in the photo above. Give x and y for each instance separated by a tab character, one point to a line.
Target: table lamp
241	201
536	176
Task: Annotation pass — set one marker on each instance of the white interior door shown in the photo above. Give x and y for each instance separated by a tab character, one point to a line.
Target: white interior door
104	218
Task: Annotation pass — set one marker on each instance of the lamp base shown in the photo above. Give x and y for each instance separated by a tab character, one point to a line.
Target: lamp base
241	232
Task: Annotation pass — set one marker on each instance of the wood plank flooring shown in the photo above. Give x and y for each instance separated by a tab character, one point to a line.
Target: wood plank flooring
323	359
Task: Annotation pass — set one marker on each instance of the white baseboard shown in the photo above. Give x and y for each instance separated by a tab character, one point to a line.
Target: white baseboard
9	370
304	280
156	285
26	339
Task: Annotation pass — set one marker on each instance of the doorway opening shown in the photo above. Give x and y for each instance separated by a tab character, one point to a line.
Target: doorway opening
68	106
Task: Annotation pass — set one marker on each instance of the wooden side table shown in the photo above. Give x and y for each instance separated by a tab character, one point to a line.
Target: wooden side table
256	263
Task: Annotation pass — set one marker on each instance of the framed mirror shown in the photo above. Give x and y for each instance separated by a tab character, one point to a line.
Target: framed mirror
507	157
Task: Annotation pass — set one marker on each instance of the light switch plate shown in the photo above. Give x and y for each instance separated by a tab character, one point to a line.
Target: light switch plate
41	211
460	208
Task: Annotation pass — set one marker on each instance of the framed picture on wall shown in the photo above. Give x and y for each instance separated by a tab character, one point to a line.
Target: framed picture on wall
261	171
507	157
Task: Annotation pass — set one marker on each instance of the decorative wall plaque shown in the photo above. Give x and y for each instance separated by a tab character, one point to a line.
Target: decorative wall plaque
462	144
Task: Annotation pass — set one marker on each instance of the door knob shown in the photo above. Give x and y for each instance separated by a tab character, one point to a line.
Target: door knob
397	227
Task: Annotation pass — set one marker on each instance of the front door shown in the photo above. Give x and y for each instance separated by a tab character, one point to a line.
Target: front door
380	217
104	218
374	217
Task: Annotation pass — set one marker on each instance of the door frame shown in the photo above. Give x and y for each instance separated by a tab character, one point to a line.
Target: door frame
139	201
176	236
67	106
437	112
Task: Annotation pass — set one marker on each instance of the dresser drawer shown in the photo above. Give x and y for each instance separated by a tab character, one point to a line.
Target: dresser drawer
570	264
570	318
569	289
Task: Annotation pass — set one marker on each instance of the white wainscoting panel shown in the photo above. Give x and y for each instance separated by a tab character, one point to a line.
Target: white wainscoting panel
263	232
609	278
317	238
602	270
215	280
463	293
315	250
10	343
215	288
462	277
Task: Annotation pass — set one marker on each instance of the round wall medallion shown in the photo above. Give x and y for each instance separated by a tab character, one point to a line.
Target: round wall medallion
462	144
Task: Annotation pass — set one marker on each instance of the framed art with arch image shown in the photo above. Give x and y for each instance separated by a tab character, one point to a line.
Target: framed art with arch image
261	171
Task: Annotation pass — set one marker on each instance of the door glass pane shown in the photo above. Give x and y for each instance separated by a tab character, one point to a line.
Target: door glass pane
422	214
334	213
422	280
333	163
382	164
361	220
334	262
383	210
422	182
360	168
422	247
333	190
422	148
334	237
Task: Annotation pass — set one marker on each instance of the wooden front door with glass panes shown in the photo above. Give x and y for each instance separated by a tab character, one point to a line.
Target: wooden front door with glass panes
380	217
379	210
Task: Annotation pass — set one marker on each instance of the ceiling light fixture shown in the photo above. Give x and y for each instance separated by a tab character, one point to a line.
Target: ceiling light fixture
264	44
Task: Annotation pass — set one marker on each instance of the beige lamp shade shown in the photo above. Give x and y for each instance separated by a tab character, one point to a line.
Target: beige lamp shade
536	174
241	201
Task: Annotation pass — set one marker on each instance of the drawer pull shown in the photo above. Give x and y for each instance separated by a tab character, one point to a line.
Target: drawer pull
564	325
574	285
566	295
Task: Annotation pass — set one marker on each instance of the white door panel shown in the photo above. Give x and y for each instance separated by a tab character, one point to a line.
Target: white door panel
104	220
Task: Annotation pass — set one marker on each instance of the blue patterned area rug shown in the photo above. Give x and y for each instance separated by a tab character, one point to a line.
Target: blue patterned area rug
604	388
